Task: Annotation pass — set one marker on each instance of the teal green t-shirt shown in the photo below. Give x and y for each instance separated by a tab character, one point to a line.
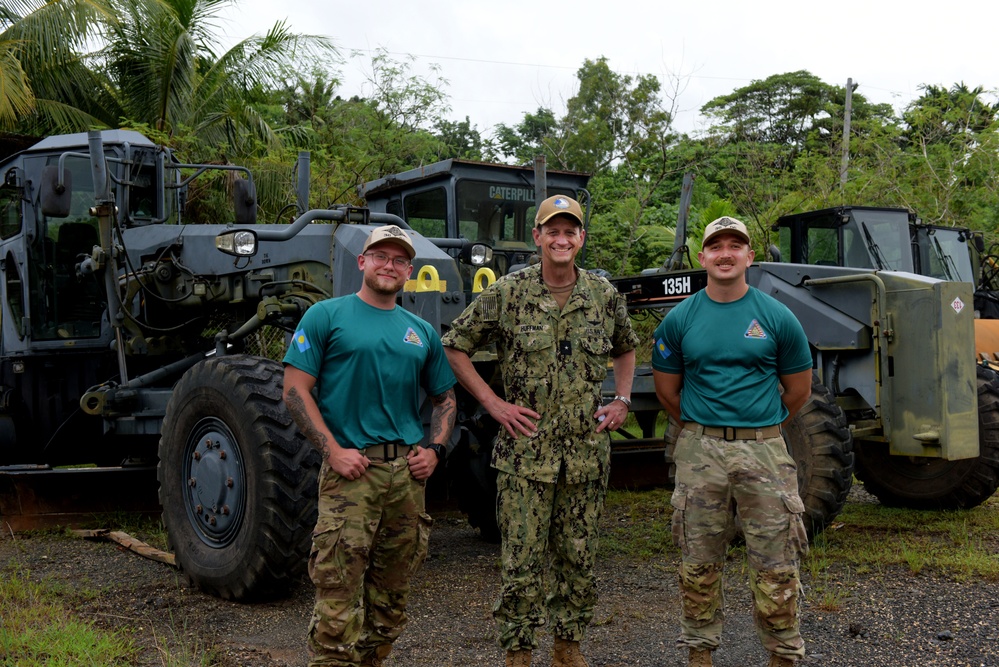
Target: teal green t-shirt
370	365
731	356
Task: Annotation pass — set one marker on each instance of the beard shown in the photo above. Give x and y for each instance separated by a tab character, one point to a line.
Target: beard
383	284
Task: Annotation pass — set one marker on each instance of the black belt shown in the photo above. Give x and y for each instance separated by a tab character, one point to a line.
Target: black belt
387	451
736	433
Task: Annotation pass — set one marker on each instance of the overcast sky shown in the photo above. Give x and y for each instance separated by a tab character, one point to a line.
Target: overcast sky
503	59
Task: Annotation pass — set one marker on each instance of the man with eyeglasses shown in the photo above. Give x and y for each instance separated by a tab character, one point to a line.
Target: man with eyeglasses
369	358
555	327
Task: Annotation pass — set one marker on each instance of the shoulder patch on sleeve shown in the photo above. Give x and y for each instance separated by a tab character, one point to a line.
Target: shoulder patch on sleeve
301	340
489	307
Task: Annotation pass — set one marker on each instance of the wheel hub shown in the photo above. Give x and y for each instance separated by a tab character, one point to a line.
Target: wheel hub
216	486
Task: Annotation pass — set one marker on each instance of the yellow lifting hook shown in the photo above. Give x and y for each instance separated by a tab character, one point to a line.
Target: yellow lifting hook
484	277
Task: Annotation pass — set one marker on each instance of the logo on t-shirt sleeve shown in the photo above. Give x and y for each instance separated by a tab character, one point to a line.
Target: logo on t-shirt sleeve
301	341
755	331
412	338
662	349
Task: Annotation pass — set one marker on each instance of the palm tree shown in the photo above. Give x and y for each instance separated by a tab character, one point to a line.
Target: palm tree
17	99
46	83
941	115
151	62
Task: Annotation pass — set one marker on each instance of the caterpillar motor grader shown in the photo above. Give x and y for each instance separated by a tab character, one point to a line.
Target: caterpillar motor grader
129	338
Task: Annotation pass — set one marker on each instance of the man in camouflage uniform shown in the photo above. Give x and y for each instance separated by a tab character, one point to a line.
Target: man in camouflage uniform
731	349
369	359
555	328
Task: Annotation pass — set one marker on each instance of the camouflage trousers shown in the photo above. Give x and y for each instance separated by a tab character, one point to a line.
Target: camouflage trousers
370	538
757	480
549	545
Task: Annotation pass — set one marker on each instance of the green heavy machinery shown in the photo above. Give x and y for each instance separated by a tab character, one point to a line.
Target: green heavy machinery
895	241
897	394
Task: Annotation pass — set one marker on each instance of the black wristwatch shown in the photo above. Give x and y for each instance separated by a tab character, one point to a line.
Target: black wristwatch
439	450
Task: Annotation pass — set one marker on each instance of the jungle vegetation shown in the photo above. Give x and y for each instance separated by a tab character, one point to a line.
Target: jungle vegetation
772	147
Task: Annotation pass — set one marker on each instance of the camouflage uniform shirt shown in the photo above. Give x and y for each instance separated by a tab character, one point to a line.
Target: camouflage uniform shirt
552	361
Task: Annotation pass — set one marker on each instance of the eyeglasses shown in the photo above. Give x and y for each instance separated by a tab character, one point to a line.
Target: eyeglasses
379	260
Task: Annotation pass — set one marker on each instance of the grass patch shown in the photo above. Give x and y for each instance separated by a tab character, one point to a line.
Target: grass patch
182	648
865	538
41	622
963	544
636	524
630	427
829	585
38	630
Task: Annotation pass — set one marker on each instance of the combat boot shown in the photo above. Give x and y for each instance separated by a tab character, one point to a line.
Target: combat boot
519	658
376	658
567	654
699	657
780	661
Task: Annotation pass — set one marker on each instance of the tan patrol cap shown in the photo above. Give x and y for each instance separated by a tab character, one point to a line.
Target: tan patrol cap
725	225
558	205
390	234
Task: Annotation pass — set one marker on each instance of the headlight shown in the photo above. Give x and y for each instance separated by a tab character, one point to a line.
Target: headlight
238	242
480	255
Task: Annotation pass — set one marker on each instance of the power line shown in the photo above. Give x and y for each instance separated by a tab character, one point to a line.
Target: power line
485	61
467	60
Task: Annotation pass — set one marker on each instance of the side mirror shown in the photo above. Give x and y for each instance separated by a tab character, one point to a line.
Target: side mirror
979	242
56	191
244	193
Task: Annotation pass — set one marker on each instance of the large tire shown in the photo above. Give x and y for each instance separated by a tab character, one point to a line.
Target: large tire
932	483
819	441
237	480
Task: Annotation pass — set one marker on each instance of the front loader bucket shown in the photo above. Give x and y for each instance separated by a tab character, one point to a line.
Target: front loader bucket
37	497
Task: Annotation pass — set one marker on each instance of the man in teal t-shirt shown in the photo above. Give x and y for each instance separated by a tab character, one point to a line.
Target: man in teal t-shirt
368	359
720	361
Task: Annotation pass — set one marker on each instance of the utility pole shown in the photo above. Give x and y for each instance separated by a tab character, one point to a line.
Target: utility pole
846	135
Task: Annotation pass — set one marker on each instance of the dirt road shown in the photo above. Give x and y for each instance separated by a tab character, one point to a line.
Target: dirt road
890	618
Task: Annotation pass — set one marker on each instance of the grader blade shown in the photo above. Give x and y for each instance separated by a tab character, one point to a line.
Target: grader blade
38	497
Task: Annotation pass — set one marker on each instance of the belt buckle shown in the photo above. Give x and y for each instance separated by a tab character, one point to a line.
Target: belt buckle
394	450
727	430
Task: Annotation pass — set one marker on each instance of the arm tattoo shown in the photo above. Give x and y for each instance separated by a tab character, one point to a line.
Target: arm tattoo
296	407
442	417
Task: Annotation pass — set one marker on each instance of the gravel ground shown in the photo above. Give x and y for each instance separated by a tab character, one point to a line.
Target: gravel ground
889	618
